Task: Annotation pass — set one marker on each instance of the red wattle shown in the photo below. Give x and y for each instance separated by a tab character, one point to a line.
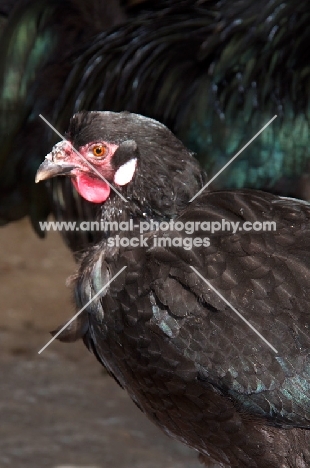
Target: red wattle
93	190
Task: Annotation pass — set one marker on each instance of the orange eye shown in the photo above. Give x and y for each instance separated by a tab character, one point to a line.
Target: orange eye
99	151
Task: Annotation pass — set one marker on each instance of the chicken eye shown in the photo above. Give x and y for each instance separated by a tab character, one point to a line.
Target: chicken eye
99	151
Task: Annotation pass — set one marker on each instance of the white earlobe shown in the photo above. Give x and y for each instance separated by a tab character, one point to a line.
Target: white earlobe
125	173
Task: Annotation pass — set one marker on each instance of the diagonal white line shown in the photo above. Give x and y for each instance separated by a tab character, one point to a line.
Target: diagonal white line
80	311
84	159
234	310
233	158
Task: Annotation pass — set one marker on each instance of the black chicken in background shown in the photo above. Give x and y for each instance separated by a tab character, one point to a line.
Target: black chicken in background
213	71
186	359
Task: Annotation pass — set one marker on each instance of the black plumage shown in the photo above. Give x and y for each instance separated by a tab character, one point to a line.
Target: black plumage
187	360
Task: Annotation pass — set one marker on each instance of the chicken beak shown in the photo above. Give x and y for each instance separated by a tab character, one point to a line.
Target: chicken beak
50	169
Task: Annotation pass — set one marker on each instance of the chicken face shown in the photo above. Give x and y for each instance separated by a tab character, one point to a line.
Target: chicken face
124	151
93	167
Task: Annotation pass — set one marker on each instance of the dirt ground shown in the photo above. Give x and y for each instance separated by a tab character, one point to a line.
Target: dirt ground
59	409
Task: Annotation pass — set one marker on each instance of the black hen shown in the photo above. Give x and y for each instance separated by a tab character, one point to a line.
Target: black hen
185	357
213	71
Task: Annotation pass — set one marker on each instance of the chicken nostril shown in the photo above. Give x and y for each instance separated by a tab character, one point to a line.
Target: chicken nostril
60	151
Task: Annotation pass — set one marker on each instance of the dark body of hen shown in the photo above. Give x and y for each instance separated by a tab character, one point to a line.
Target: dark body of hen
186	359
213	71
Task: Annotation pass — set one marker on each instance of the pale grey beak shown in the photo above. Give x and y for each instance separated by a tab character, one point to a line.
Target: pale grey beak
50	169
